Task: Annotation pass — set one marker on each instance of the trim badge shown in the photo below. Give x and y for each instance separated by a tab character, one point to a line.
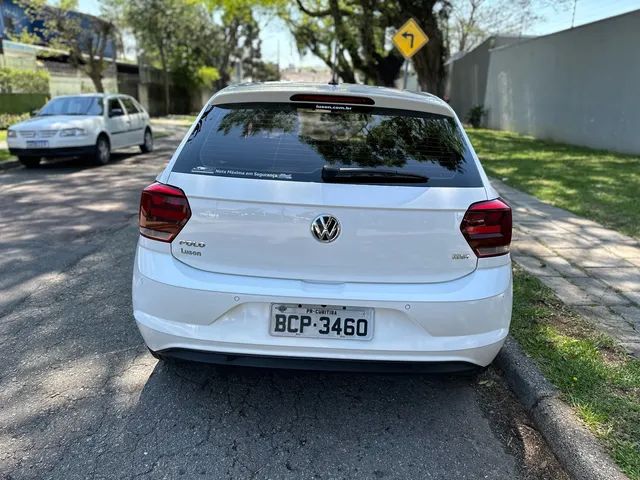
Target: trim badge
192	243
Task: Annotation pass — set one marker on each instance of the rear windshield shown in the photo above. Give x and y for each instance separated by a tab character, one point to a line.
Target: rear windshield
300	143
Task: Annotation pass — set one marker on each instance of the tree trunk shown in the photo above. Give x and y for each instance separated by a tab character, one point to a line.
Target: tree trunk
166	90
96	78
97	82
165	79
388	69
429	63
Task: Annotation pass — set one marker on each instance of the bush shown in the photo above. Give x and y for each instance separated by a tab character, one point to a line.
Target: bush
8	119
14	80
16	103
474	117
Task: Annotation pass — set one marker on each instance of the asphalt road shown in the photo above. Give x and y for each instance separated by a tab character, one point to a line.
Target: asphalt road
80	397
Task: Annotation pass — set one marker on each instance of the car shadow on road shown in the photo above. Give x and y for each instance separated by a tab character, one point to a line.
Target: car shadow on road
238	422
67	164
59	212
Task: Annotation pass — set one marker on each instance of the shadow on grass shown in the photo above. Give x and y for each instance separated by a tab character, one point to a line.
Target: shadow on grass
596	184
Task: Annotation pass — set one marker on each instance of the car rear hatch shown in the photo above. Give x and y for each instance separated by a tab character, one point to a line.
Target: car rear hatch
259	176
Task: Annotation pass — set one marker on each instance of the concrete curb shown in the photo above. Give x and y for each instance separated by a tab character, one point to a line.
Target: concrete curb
574	446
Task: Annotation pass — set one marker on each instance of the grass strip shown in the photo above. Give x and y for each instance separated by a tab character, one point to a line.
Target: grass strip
596	184
595	377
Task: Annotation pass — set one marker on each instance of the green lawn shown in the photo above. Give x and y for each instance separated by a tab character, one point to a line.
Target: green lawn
3	135
595	377
596	184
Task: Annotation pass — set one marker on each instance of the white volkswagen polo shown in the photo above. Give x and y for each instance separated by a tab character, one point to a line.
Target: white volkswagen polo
324	226
90	126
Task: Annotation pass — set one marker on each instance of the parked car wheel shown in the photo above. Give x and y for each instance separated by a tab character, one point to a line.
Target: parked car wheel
30	162
147	146
102	154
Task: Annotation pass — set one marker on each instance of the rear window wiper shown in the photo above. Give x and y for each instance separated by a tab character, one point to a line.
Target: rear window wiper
369	175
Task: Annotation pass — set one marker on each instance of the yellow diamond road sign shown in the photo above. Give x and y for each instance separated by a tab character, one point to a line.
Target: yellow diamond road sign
410	38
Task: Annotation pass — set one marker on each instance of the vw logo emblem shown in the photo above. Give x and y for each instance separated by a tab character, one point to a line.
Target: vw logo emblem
325	228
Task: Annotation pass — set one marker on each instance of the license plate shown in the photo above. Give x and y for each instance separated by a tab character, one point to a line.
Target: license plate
321	321
38	143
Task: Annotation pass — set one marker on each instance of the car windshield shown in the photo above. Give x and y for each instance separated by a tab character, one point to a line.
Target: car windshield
324	143
73	106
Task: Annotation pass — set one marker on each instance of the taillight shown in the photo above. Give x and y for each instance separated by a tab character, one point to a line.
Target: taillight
164	210
487	227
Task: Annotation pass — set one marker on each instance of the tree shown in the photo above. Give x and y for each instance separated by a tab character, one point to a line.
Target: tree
156	25
238	31
264	71
465	29
238	37
433	16
352	37
175	34
471	21
85	37
349	36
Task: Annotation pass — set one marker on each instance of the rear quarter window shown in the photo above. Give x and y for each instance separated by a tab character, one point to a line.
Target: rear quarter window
296	142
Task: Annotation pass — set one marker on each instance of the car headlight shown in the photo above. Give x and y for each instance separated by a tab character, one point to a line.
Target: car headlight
73	132
11	134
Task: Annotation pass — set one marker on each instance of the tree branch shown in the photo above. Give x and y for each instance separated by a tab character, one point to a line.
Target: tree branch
321	13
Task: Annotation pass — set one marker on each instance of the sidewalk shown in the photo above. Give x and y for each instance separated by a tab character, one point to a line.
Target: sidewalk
591	268
163	127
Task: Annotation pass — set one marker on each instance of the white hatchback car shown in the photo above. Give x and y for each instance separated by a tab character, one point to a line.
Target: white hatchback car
324	226
90	126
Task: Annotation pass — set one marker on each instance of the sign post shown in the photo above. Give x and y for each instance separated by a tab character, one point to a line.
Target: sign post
409	39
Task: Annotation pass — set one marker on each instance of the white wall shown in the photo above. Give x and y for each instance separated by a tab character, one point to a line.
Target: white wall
579	86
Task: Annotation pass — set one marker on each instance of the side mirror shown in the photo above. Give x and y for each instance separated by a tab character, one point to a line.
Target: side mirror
116	112
34	112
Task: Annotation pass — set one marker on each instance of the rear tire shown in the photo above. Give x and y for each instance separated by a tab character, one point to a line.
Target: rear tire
147	146
102	153
30	162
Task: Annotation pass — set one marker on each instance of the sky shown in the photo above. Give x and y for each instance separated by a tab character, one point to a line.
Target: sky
278	43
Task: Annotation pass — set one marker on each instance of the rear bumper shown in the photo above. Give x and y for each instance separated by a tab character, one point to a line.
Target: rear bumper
53	152
182	309
327	365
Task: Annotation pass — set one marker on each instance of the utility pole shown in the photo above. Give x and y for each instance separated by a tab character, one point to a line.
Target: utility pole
406	74
334	55
573	15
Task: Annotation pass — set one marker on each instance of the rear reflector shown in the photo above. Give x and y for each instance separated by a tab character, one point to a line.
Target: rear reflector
164	210
487	228
306	97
